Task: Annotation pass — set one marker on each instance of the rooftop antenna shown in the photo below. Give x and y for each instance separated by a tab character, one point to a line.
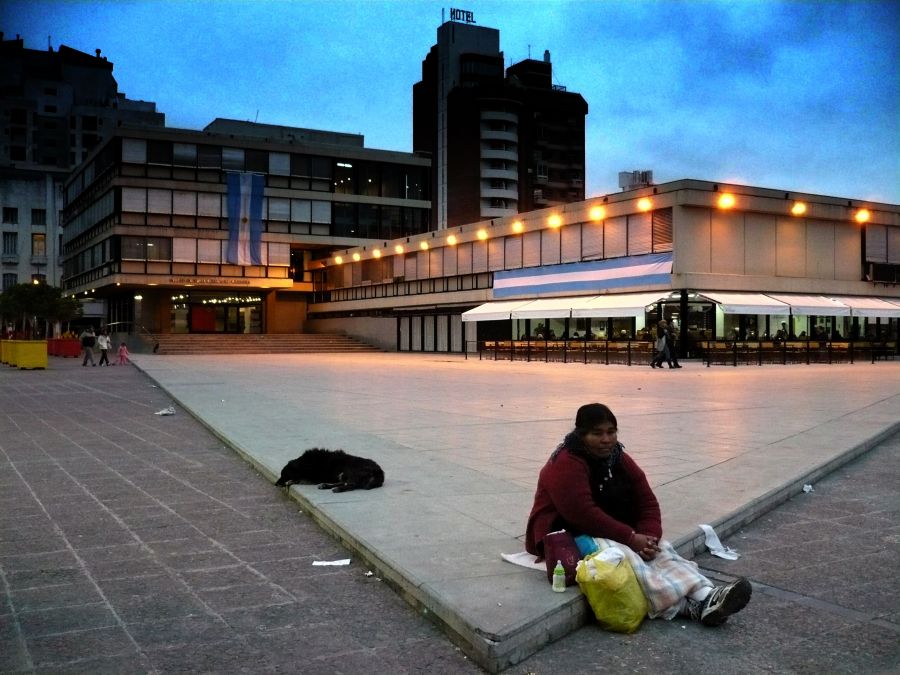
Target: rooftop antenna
257	116
529	51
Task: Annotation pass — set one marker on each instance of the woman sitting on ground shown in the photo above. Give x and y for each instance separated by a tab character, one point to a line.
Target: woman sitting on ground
591	486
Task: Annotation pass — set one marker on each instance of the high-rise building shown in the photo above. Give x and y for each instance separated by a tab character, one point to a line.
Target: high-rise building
55	106
502	141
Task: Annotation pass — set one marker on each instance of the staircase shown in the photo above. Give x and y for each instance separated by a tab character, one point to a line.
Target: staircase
303	343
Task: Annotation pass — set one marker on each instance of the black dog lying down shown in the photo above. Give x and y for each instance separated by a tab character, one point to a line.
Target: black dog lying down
333	470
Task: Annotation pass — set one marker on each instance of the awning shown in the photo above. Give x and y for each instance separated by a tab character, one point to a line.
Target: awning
746	303
494	311
623	305
871	307
547	308
813	304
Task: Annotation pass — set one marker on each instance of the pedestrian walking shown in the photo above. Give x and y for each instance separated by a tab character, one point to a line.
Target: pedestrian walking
123	354
104	343
88	339
662	346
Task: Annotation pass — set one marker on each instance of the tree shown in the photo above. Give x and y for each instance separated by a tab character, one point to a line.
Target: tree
32	302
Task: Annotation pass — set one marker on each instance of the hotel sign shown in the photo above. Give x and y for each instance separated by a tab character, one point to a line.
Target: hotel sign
463	15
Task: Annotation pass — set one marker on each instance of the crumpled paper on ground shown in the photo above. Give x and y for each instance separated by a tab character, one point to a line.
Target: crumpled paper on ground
716	547
165	411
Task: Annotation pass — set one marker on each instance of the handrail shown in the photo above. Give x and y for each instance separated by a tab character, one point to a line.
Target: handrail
142	332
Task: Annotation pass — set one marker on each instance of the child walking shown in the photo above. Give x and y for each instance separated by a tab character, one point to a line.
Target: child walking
123	354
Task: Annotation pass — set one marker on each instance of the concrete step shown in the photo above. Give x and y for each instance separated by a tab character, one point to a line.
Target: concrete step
186	344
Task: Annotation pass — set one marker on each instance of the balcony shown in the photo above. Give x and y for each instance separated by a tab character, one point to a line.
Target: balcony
508	174
493	135
499	193
510	155
496	115
489	212
10	258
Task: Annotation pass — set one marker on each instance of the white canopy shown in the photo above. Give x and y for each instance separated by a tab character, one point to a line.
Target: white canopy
871	307
813	304
493	311
620	305
746	303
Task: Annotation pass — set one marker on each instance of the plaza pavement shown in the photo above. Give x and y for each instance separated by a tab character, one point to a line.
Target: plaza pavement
461	442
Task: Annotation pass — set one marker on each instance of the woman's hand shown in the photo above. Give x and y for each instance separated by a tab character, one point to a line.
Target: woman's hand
644	545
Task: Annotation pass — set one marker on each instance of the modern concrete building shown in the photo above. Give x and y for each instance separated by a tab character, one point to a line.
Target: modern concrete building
720	261
502	142
212	231
55	106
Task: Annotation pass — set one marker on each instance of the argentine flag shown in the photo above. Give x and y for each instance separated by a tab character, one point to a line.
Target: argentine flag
245	199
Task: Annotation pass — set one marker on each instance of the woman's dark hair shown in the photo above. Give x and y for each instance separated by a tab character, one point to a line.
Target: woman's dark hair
592	414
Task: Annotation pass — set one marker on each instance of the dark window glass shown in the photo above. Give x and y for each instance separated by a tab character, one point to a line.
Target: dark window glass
9	280
322	174
392	181
300	165
344	178
159	248
159	152
256	160
344	220
391	222
369	180
368	221
10	215
10	243
209	156
38	216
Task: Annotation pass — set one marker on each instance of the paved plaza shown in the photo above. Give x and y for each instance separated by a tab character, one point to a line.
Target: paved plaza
461	442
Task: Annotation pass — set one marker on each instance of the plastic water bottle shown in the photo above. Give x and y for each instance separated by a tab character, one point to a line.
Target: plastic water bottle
559	578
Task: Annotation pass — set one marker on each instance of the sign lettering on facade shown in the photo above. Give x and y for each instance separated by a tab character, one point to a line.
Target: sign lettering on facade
463	15
217	281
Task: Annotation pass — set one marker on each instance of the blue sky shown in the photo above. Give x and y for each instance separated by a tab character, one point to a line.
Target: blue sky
800	96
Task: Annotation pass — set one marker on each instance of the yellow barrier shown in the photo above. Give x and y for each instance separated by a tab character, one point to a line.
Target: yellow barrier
28	354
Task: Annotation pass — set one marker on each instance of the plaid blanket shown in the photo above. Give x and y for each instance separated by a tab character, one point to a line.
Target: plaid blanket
665	580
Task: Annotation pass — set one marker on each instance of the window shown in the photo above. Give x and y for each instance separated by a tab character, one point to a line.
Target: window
344	178
10	215
10	243
38	216
38	243
50	108
9	280
184	154
159	152
233	159
39	278
146	248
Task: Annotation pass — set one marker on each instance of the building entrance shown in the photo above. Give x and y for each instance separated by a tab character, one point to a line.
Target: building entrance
216	312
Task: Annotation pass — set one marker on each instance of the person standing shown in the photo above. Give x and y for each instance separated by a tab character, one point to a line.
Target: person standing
104	343
88	340
123	354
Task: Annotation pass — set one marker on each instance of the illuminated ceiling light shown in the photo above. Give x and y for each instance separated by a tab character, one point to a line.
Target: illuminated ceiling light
356	257
482	234
644	204
518	226
554	220
423	245
598	213
798	209
862	216
398	249
338	260
451	240
376	253
726	200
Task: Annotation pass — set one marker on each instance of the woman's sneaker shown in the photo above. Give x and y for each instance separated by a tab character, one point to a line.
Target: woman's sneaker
723	601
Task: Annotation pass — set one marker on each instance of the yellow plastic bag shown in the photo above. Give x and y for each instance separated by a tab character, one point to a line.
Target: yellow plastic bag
613	592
